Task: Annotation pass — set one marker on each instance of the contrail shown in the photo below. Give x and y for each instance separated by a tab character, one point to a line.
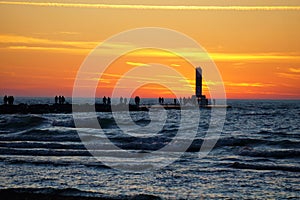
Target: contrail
154	7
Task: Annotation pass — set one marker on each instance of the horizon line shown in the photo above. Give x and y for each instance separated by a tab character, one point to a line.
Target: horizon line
297	99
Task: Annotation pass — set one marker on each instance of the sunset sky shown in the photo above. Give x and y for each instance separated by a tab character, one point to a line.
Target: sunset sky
255	44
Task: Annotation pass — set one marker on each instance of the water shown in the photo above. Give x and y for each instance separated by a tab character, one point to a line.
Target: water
257	155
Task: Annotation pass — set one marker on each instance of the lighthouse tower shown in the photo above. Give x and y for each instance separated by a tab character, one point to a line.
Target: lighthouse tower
201	99
198	90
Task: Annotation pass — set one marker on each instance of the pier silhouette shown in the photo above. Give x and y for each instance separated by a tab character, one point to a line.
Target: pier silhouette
61	106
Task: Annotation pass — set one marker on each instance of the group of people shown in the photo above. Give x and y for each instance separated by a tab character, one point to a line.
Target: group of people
181	101
8	100
59	99
161	100
121	100
106	101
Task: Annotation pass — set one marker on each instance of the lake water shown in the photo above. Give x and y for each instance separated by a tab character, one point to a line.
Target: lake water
256	156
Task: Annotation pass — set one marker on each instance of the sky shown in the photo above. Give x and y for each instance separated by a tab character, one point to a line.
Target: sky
254	44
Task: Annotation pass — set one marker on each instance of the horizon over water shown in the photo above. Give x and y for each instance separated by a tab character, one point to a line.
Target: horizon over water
256	156
147	100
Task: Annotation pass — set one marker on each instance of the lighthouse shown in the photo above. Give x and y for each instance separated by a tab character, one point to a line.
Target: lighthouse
198	90
201	99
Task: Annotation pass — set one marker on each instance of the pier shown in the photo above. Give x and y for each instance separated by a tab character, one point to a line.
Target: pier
67	108
197	100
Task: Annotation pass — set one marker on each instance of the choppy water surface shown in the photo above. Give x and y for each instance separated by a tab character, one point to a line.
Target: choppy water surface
257	155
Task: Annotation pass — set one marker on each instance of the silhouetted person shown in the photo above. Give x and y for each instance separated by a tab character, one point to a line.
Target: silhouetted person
137	100
59	99
175	101
56	99
125	100
63	100
104	100
10	100
159	100
121	100
5	99
162	100
108	101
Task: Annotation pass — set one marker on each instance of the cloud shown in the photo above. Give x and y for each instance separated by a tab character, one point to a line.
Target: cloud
248	84
51	49
253	56
68	33
194	54
294	70
17	39
291	73
18	42
136	64
152	7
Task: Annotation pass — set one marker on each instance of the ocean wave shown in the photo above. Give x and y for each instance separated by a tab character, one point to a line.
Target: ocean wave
278	133
15	123
53	161
67	194
43	152
239	165
107	123
270	153
50	145
43	135
64	123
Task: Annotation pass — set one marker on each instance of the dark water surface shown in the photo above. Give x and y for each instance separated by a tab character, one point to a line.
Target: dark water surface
257	155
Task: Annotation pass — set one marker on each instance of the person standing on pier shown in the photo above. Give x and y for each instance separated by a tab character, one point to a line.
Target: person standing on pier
121	100
137	101
104	100
56	99
5	99
108	101
10	100
63	99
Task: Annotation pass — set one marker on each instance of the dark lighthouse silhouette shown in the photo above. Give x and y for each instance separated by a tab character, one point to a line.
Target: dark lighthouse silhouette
201	99
198	90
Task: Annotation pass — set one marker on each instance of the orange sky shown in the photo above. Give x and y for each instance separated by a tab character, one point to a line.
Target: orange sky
255	45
